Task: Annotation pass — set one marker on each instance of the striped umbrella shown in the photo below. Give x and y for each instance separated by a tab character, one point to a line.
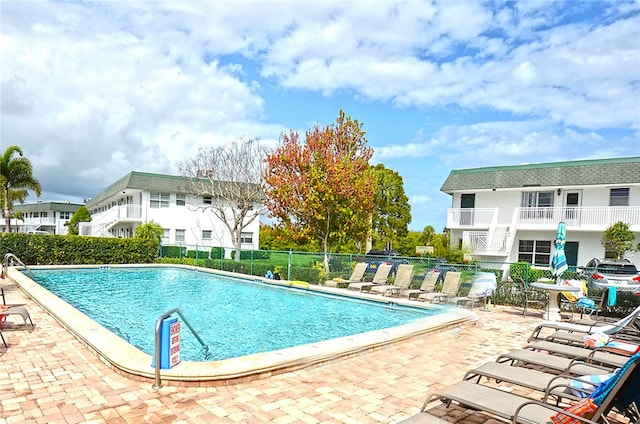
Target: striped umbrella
559	260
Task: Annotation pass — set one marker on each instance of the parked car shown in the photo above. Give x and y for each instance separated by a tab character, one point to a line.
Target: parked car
602	273
376	257
442	266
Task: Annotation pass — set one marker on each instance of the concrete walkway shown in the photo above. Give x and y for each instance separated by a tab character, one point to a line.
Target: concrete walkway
47	376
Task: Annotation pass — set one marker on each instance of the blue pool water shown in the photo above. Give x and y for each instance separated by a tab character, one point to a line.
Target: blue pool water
235	317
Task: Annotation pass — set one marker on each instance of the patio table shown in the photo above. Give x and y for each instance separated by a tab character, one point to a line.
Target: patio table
553	308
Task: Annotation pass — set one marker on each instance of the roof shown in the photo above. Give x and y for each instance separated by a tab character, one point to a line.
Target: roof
142	181
145	181
554	174
48	206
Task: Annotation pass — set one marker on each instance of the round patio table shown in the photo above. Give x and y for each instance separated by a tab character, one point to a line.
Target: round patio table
554	289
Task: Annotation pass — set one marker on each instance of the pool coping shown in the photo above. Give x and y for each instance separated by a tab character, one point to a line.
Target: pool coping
132	362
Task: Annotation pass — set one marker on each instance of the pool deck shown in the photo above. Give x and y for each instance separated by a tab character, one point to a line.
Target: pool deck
49	376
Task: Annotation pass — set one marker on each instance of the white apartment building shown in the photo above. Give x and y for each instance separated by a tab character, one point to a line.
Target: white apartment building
140	197
43	217
511	213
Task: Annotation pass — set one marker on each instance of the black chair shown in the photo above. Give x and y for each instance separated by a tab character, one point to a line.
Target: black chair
531	296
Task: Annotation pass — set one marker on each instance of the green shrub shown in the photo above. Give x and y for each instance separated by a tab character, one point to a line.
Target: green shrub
41	249
217	253
198	254
251	254
173	251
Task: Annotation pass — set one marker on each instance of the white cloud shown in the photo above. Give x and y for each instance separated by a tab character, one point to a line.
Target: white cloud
93	90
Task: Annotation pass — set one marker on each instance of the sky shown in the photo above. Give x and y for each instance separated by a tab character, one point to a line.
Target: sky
92	90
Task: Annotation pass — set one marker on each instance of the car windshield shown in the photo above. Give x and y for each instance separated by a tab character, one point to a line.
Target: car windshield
617	269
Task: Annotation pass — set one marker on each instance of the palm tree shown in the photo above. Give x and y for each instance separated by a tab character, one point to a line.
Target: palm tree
16	179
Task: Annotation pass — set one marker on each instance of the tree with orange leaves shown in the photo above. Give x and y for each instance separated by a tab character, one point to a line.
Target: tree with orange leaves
323	189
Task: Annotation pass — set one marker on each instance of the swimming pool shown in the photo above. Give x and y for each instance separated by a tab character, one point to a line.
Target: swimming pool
131	361
234	317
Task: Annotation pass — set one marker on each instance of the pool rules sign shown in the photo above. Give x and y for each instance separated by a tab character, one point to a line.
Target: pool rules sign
174	344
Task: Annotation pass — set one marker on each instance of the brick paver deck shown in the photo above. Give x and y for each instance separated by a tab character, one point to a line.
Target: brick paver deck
47	376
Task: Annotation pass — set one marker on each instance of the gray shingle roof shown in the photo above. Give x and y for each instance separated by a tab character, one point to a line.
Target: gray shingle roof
146	181
142	181
47	206
571	173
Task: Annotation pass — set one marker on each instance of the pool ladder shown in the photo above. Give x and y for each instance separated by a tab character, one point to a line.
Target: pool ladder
14	259
158	383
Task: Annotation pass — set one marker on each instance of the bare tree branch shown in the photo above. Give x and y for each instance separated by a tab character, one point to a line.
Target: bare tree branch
229	179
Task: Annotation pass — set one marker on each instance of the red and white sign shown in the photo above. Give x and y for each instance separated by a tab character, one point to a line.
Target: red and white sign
174	345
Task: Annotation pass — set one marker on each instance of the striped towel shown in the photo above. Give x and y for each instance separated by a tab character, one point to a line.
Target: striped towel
586	384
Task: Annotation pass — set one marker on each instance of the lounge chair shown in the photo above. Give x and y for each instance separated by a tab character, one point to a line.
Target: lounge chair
5	311
551	384
483	286
555	363
599	356
609	329
450	288
401	282
380	278
620	391
428	285
356	277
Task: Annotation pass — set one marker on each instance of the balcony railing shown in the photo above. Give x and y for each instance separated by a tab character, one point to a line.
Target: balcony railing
482	241
118	213
470	217
594	218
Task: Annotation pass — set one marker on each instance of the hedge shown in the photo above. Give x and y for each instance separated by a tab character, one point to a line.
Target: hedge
42	249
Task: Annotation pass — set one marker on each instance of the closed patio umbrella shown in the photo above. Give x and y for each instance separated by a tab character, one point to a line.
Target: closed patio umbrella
559	260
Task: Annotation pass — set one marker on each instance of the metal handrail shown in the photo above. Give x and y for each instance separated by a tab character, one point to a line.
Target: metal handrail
8	256
158	383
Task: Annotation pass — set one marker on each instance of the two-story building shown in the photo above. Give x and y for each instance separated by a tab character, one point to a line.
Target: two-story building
188	220
42	217
511	213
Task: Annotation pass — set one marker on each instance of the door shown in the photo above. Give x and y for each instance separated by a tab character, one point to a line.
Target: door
572	204
571	252
467	204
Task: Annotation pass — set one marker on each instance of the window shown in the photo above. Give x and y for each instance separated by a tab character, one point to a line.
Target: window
165	235
180	200
206	234
619	197
206	200
246	238
537	199
534	251
159	200
65	215
180	235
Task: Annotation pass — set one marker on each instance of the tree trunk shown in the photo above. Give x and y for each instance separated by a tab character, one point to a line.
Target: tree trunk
7	220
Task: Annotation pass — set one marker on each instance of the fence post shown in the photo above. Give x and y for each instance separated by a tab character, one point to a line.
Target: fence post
289	265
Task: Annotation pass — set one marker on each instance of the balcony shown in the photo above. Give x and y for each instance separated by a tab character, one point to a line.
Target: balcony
496	240
591	218
478	218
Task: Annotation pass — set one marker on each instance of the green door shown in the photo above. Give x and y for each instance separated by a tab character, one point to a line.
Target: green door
571	252
467	204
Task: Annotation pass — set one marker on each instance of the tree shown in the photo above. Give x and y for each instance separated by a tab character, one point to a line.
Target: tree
16	179
391	211
618	238
81	215
150	231
429	232
323	188
230	177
